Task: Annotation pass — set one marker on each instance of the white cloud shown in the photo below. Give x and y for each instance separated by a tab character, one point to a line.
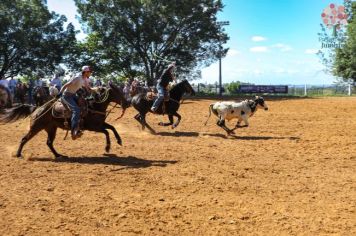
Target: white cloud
257	72
279	71
258	38
232	52
259	49
282	47
311	51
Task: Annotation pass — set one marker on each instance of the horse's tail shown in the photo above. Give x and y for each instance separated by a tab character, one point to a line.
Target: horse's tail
16	113
211	109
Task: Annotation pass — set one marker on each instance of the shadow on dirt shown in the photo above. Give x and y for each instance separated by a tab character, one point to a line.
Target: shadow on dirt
249	137
179	134
110	159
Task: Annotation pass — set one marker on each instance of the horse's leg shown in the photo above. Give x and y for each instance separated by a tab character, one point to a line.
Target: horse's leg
170	117
51	131
178	121
107	136
33	131
112	128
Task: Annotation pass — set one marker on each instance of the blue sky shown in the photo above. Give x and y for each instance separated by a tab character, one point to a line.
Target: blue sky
271	41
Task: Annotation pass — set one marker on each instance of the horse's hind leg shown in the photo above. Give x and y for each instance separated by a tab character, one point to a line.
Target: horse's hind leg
33	131
170	117
112	128
51	136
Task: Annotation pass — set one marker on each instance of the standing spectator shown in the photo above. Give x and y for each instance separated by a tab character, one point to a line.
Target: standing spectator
31	85
38	82
56	82
4	82
12	86
126	90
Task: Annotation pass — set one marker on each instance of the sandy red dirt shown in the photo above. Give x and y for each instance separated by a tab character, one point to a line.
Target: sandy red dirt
293	171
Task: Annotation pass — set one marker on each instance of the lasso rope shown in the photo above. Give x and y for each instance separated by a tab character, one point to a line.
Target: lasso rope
52	100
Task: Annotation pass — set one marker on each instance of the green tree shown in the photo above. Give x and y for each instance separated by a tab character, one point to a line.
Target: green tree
32	39
344	64
233	87
145	35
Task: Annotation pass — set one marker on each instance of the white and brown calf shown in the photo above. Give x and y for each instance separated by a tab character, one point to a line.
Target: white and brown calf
236	110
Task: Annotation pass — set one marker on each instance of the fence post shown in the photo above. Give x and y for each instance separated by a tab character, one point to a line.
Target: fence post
349	89
305	90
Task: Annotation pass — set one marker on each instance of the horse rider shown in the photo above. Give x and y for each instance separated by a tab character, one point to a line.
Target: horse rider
162	84
69	95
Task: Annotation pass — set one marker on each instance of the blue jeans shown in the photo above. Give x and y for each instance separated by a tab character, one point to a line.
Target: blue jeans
161	93
71	101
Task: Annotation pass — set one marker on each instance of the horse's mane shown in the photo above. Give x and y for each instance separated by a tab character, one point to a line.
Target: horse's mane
177	86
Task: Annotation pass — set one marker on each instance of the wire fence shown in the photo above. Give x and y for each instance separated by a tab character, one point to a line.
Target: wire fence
293	90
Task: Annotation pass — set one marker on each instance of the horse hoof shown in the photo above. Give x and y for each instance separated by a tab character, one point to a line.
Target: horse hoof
119	142
107	149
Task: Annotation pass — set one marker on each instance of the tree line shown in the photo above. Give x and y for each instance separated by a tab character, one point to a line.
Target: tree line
135	38
130	39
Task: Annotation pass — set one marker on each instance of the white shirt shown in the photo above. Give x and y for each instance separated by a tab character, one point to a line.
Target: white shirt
76	83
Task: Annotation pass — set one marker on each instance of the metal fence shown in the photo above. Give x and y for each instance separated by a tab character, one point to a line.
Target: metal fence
293	90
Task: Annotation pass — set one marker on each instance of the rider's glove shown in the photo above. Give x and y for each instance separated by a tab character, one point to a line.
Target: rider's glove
58	95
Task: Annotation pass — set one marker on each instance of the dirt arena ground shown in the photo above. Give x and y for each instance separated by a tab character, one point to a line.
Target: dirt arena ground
292	172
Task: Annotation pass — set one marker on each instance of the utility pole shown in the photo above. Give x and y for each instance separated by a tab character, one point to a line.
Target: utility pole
221	23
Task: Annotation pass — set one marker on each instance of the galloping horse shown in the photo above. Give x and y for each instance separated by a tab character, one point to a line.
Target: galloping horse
143	105
43	119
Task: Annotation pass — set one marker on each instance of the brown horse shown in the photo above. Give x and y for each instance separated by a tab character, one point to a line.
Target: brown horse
43	119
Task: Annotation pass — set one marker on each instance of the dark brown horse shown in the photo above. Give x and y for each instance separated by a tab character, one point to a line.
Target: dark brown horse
143	105
43	119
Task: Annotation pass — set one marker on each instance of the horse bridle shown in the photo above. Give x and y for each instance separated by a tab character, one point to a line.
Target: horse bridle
106	113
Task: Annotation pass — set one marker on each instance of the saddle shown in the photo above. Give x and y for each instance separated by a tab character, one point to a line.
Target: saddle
61	109
150	96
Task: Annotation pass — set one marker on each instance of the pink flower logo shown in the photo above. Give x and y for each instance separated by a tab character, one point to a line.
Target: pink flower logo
334	16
